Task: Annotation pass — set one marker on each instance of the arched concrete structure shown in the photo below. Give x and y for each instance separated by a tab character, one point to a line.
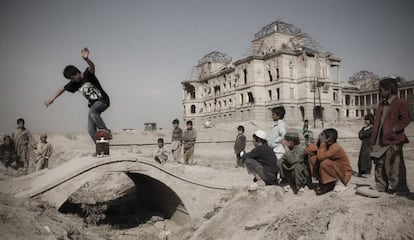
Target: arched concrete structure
173	193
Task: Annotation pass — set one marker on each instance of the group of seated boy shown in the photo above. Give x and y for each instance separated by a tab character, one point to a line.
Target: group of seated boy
325	161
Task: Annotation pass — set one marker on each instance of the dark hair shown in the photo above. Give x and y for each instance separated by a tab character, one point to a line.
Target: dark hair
331	133
389	84
306	121
189	122
175	121
161	140
240	128
369	117
280	111
20	120
70	71
5	137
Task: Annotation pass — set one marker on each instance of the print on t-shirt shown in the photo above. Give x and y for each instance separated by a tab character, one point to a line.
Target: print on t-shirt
90	91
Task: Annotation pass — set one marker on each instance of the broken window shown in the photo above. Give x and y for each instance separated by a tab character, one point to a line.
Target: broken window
278	93
270	76
190	90
250	96
216	90
347	98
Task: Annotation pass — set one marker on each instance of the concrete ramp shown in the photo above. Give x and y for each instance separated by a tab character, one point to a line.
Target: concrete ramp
162	186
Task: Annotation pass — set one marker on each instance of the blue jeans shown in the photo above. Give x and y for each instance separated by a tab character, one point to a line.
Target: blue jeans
95	121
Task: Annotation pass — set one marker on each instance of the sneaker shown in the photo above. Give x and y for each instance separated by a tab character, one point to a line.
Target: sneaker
365	175
286	188
301	192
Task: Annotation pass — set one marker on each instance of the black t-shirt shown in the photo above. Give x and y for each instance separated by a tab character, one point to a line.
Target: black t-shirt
90	87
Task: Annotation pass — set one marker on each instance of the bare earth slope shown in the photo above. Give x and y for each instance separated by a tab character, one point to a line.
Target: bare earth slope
268	213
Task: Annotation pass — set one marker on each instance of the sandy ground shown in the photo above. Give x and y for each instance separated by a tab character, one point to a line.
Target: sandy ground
268	213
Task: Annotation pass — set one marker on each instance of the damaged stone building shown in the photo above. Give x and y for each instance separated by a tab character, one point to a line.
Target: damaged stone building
283	68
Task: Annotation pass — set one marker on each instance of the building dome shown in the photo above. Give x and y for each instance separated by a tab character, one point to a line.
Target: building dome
287	28
363	75
278	26
216	57
365	80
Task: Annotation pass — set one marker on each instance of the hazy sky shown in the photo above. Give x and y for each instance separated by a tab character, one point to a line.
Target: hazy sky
144	49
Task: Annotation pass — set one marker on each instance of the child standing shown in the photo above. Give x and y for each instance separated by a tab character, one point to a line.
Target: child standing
161	154
364	160
278	131
43	152
87	84
176	141
22	139
189	138
239	145
388	138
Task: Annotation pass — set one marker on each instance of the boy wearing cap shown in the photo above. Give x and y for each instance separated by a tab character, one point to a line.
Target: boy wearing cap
291	164
261	161
43	152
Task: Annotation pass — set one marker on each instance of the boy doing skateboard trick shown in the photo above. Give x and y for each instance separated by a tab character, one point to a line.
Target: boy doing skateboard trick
87	84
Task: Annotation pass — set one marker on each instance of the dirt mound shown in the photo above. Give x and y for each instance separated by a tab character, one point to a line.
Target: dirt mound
268	213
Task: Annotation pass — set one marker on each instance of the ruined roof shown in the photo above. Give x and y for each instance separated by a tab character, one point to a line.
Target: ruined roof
287	28
278	26
216	57
363	75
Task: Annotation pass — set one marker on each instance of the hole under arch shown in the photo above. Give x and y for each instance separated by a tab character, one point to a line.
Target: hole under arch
146	200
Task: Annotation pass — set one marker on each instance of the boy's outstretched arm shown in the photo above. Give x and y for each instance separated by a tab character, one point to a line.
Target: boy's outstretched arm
85	56
56	95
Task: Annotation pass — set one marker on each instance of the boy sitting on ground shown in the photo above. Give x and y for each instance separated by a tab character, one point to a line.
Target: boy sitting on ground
161	154
292	166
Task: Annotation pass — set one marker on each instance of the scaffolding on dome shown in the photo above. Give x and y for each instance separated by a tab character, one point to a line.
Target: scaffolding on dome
282	27
215	56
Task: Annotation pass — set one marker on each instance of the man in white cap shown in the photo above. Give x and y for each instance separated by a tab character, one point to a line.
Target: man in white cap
261	161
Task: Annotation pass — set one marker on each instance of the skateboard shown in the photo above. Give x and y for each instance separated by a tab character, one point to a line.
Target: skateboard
102	143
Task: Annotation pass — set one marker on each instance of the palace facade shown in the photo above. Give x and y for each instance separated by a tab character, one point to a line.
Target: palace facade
283	68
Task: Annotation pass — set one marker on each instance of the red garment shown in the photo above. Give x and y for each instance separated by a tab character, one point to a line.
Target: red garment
397	118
